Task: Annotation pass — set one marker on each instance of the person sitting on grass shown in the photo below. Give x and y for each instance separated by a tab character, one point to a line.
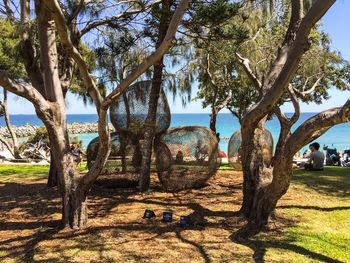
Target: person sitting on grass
316	158
345	159
76	152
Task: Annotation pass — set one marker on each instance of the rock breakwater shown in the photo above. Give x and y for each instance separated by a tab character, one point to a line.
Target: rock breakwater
73	128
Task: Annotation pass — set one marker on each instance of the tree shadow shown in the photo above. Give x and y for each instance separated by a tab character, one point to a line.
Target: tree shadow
39	203
245	236
318	208
334	181
34	199
24	246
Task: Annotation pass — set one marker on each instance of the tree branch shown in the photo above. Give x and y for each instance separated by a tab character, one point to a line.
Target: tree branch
22	89
7	144
296	106
154	57
283	119
302	94
70	50
208	71
226	101
28	50
8	122
78	4
245	63
105	21
286	63
8	10
317	125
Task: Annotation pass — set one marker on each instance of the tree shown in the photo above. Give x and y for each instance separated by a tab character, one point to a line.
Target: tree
214	38
9	61
265	185
163	12
14	148
46	94
259	72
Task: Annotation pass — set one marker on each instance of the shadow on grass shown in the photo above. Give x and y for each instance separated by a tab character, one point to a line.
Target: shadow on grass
312	207
38	203
332	181
246	236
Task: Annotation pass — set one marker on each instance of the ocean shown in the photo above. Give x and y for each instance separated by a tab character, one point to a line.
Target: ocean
337	137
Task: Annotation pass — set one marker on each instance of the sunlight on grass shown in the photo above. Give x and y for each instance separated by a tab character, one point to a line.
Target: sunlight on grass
313	222
12	173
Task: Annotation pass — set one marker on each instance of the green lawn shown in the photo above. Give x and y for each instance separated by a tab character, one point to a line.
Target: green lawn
322	230
313	222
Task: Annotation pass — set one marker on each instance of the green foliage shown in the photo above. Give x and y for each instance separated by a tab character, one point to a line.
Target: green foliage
137	125
118	56
77	85
9	50
220	74
209	18
40	135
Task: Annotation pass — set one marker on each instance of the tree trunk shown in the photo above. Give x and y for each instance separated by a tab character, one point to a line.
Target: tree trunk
15	150
137	156
74	200
267	194
263	183
123	144
53	174
213	117
145	180
74	212
256	171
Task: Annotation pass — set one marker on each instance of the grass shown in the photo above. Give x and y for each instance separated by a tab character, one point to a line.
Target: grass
312	222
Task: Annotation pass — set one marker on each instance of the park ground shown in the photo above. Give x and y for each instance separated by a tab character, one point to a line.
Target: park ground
312	222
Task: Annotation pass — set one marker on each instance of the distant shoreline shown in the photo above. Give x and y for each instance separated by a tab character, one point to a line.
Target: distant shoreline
73	128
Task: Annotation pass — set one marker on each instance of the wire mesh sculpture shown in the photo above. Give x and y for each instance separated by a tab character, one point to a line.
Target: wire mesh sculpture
234	148
186	157
128	114
92	148
111	176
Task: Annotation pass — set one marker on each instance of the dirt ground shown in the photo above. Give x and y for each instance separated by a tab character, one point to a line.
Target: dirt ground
30	213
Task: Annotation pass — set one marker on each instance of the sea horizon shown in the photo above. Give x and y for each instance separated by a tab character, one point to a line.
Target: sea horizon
227	124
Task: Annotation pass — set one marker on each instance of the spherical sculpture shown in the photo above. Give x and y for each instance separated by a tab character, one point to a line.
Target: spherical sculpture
129	112
187	157
234	148
92	148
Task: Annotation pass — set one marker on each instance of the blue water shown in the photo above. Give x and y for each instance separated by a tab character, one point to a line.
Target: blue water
338	136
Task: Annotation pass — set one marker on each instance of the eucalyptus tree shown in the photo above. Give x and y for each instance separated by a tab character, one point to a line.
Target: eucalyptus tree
43	89
288	75
224	84
263	78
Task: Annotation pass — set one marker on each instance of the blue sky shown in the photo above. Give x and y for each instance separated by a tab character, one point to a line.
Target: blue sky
335	22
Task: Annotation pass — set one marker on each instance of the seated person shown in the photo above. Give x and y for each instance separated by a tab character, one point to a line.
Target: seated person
76	152
345	159
316	158
179	157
